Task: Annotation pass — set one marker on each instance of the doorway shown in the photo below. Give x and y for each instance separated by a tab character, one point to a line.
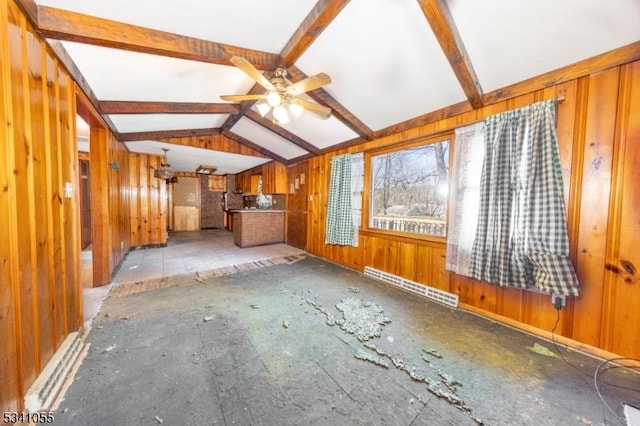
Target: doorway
186	204
84	179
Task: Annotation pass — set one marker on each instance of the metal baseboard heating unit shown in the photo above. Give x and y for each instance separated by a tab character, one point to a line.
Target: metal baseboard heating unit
438	295
41	394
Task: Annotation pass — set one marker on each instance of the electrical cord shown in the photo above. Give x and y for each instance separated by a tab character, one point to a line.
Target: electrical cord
597	371
595	382
555	344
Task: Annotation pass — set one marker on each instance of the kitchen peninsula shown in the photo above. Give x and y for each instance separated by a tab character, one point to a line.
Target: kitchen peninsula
255	227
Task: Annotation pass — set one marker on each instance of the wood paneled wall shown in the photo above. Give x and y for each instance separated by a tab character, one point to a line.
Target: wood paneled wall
40	286
297	205
599	135
110	203
216	143
148	210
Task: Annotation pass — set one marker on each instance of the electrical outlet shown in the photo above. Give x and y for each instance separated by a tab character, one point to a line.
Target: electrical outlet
559	300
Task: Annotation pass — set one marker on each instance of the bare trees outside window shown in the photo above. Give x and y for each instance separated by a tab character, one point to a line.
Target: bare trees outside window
409	189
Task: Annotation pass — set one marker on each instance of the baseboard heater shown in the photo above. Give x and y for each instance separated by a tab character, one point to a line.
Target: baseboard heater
438	295
43	391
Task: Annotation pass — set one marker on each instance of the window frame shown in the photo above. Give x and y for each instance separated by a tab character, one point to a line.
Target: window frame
366	193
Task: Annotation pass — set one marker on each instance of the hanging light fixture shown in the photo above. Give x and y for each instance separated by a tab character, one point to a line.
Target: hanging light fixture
164	171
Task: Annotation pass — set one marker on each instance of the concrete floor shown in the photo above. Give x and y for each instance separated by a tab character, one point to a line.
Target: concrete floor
258	347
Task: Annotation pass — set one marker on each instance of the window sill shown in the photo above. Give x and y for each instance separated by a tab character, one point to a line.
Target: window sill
423	240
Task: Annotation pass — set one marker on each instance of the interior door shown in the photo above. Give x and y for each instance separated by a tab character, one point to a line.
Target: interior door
186	204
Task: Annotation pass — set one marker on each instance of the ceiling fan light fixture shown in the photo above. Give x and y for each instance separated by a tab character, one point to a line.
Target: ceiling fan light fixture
279	102
296	109
280	114
263	108
273	99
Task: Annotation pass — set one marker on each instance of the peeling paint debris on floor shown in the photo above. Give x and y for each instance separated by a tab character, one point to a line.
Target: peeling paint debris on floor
365	320
361	318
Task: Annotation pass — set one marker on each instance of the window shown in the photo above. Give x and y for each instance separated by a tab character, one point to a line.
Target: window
409	189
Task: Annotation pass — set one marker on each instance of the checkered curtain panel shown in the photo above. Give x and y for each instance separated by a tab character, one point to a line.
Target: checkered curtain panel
339	224
521	239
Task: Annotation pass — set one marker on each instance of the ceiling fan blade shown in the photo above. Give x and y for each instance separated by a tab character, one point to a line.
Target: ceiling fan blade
241	98
251	71
308	84
321	110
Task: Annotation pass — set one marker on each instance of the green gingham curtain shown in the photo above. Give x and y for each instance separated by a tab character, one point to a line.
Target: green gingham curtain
339	224
521	239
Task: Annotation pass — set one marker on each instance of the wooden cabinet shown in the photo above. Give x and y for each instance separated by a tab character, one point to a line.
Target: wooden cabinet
274	178
217	183
255	181
243	182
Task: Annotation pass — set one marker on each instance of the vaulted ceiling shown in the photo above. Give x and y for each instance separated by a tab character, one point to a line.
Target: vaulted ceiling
157	68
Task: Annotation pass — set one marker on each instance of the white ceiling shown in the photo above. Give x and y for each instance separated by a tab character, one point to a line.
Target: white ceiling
385	63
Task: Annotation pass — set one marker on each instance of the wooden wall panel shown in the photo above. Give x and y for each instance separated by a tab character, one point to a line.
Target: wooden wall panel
597	127
23	170
595	186
42	193
100	235
70	205
297	205
144	200
216	143
59	242
622	269
40	300
134	181
10	362
147	214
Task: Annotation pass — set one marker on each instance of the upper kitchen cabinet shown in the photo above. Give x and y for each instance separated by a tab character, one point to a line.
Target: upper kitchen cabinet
274	178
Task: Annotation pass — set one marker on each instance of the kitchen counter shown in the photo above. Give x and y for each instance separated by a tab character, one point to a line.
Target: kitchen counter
255	227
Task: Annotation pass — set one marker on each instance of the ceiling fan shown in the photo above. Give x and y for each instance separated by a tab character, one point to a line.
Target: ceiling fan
282	96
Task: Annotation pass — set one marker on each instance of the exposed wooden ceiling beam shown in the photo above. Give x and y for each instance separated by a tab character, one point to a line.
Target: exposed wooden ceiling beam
444	28
613	58
65	25
269	125
344	115
255	147
160	134
316	21
130	107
